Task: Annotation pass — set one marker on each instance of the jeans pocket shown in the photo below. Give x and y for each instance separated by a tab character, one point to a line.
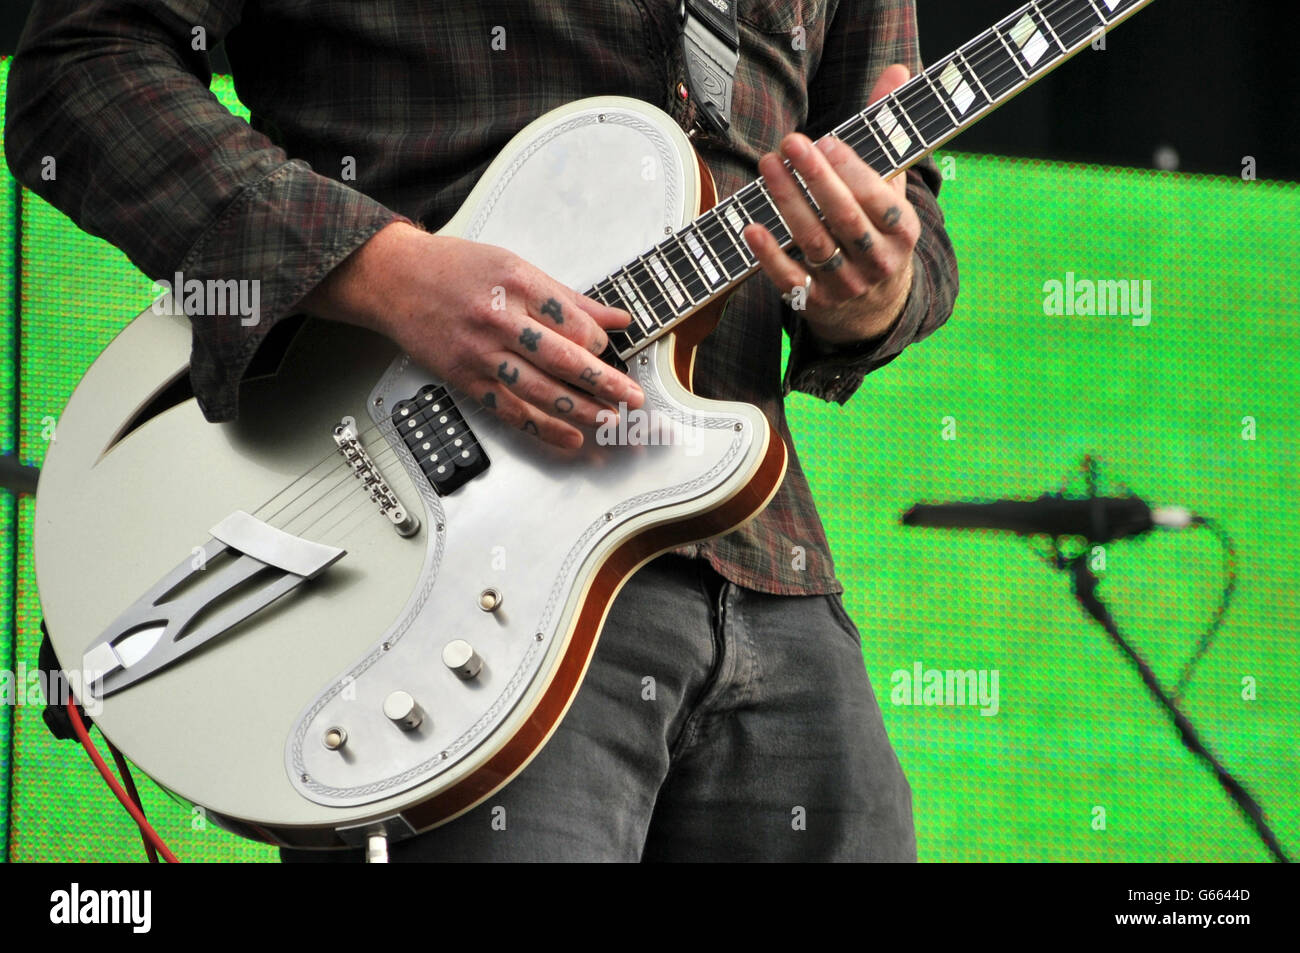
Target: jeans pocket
842	617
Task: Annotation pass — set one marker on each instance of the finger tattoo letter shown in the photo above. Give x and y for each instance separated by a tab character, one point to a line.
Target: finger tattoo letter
563	405
589	376
553	310
529	339
892	216
490	400
509	376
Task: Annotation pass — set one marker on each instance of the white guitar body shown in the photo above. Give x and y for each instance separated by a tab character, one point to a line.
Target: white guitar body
274	718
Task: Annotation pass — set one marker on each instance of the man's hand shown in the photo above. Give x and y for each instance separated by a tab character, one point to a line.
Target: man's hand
487	322
857	291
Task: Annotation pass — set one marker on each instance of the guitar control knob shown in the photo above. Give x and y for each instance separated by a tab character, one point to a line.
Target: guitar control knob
460	657
335	738
402	710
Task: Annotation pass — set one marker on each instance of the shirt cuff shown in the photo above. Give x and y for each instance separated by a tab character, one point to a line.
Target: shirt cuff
284	233
835	372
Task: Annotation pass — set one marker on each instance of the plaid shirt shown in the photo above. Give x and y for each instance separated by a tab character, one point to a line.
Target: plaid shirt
418	101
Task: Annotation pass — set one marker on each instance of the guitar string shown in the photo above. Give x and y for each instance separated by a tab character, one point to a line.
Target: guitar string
655	300
768	217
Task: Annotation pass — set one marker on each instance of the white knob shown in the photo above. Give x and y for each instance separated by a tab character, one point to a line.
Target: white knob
402	710
459	656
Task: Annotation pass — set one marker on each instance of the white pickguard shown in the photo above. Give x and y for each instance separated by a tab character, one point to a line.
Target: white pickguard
543	516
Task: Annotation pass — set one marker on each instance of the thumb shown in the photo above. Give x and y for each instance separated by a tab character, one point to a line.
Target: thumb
892	78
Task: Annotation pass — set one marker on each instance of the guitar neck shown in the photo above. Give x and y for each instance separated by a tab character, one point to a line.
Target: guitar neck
709	257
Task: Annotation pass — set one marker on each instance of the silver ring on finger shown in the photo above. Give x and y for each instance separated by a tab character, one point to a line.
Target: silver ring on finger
788	296
830	262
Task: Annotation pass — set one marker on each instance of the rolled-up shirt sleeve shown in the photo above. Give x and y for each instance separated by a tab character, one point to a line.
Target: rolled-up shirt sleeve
116	94
885	30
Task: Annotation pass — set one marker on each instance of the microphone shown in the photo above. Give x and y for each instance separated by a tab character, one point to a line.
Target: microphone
1101	519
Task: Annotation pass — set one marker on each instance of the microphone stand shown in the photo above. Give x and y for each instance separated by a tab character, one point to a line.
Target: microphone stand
1084	584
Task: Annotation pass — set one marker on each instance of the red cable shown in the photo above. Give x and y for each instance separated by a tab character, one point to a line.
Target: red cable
137	815
129	783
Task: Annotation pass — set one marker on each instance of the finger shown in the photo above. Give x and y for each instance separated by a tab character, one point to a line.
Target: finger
892	225
562	359
786	273
519	414
806	229
611	319
556	307
548	395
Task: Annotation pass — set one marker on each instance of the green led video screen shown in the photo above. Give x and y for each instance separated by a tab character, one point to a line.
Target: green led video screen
1185	398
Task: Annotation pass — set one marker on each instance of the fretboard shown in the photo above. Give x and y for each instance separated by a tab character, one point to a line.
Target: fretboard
709	257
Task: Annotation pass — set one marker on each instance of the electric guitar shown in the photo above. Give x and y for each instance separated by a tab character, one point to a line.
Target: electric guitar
365	606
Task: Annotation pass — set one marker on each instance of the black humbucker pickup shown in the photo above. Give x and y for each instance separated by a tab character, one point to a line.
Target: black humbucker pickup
437	435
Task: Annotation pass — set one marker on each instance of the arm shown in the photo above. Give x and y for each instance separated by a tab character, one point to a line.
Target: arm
147	158
902	287
117	91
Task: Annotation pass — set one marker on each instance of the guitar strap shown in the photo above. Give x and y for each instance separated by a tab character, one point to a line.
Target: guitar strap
711	44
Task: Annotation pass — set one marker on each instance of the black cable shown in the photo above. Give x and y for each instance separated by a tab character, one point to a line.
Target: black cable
1085	588
1230	574
128	782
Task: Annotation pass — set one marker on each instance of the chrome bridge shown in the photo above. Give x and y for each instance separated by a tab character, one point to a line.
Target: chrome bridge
372	480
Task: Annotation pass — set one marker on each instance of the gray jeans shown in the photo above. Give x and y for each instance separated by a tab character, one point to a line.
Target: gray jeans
715	723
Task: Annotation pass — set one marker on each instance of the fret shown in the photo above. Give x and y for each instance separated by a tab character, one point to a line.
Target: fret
601	295
1010	52
904	117
662	255
693	265
747	194
738	253
960	92
1041	16
880	143
803	187
975	76
1027	41
920	99
638	309
643	282
709	229
735	225
779	229
935	90
1075	25
684	264
626	333
992	66
698	244
901	144
611	296
734	218
672	289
